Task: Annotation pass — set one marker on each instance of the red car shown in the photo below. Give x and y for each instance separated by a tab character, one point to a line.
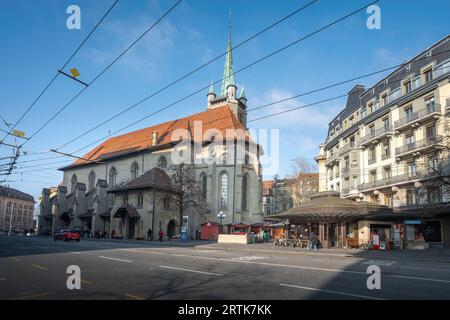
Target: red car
67	235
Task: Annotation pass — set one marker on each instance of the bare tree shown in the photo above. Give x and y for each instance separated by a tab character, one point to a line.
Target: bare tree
189	193
304	180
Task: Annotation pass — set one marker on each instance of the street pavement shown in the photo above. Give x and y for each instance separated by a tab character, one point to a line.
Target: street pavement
35	268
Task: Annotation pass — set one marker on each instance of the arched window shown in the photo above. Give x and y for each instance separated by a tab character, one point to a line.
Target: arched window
223	189
112	177
244	192
225	158
140	203
162	162
247	159
204	185
91	180
134	170
73	183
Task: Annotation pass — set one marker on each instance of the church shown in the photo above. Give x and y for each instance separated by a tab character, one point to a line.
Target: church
125	186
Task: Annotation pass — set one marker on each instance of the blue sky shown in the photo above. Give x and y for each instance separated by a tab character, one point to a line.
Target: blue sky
35	43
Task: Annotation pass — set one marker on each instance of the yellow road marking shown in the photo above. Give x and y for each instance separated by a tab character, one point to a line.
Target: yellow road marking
15	259
134	297
85	281
40	267
32	296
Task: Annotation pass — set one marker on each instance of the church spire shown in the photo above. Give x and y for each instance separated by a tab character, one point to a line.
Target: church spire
228	73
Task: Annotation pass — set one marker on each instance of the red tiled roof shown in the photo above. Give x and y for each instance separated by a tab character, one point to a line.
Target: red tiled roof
268	184
221	119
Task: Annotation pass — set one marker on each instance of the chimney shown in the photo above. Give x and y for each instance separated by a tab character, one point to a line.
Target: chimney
154	138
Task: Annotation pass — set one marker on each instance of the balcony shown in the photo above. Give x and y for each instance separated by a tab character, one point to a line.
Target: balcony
377	134
345	170
431	111
332	158
417	146
348	147
395	180
372	161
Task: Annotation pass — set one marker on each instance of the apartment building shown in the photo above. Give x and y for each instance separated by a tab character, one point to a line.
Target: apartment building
390	146
16	210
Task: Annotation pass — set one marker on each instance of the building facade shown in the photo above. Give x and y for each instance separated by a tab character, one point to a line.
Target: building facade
390	144
215	144
16	210
282	194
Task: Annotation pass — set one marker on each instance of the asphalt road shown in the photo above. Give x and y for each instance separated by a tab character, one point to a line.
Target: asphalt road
35	268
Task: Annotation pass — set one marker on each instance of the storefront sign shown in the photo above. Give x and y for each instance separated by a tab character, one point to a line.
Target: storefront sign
413	222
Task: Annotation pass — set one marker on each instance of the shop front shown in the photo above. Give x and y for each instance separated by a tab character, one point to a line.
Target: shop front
336	221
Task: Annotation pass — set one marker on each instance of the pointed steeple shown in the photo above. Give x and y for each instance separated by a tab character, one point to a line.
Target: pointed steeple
211	88
242	95
228	73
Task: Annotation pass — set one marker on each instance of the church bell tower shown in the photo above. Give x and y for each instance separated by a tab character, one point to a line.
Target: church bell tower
228	91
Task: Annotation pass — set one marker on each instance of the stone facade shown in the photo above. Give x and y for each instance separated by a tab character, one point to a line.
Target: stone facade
227	170
16	210
390	139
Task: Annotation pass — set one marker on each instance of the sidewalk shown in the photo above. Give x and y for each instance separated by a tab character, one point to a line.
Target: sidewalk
429	255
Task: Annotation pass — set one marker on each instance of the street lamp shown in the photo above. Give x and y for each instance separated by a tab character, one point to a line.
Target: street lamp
221	215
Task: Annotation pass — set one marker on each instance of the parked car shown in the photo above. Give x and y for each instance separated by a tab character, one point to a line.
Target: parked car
66	235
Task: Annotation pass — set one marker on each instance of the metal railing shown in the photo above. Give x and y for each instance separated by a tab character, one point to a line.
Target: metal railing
332	158
414	116
376	133
406	177
348	147
410	147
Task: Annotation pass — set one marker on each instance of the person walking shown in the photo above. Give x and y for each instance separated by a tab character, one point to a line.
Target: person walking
314	241
161	235
149	234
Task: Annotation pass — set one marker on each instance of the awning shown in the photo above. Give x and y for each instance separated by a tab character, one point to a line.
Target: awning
330	207
125	209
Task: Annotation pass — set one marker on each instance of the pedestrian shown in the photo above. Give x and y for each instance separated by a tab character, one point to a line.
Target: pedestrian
314	241
161	235
149	234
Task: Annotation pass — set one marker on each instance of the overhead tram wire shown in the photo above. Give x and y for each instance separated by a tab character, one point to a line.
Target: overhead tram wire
187	75
57	73
102	72
238	71
312	91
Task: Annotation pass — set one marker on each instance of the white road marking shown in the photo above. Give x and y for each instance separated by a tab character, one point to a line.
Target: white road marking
76	252
379	262
189	270
143	251
248	258
303	267
2	279
331	291
115	259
